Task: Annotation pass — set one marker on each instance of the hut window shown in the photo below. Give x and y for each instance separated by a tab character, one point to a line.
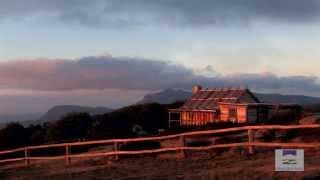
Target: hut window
232	113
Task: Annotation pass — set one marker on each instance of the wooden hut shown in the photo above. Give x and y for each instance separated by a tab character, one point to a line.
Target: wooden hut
220	105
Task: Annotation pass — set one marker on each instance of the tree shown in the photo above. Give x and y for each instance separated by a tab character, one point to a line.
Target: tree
112	125
123	122
12	136
36	134
73	126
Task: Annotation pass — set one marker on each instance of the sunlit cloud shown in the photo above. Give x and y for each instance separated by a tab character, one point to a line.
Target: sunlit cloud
127	73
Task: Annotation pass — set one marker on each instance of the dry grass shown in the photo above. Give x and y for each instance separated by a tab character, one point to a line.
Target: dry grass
232	163
227	163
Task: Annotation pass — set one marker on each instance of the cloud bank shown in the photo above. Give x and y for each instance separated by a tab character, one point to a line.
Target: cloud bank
126	73
167	12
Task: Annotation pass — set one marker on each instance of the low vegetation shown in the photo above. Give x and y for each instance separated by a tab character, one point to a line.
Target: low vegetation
131	121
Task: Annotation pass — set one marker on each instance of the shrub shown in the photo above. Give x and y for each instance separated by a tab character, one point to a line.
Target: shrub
72	127
12	136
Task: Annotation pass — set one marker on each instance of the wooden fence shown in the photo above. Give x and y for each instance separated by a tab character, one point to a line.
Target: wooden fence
67	156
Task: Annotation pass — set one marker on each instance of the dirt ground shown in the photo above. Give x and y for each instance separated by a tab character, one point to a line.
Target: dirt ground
222	164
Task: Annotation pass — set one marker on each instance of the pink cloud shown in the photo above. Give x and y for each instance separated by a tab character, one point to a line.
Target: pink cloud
125	73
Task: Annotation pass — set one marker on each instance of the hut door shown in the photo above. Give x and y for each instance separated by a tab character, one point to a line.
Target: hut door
233	114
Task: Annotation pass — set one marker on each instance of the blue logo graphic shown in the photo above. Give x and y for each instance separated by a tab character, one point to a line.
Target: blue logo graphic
292	152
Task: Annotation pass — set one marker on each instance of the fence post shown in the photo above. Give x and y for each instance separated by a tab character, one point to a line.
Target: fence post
169	117
115	149
251	140
26	156
68	160
182	144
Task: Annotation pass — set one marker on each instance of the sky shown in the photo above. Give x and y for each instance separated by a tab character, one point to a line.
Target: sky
112	52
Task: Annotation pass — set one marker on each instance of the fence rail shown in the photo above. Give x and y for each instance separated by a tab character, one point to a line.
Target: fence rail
116	142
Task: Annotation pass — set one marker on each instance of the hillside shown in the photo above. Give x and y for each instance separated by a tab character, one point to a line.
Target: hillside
205	165
222	163
171	95
57	112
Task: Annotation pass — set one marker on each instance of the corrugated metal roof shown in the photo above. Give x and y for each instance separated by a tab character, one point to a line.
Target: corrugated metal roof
208	99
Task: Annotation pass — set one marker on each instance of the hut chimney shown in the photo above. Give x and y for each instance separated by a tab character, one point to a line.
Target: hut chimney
196	89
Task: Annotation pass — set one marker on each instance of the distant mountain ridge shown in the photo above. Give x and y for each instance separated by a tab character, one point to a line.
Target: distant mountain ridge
294	99
171	95
58	112
166	96
5	118
53	114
